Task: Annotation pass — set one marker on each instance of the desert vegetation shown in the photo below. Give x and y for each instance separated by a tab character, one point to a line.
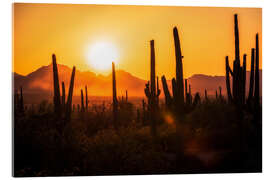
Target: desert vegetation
183	133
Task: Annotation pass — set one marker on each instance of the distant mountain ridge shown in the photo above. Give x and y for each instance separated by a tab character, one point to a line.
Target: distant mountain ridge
41	81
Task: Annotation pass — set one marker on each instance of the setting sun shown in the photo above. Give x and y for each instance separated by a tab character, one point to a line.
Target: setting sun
101	55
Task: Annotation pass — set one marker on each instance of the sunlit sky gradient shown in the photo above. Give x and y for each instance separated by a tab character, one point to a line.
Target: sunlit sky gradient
206	35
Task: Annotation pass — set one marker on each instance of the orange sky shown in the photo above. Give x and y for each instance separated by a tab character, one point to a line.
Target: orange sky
68	30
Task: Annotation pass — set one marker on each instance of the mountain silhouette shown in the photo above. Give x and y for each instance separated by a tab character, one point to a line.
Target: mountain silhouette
41	82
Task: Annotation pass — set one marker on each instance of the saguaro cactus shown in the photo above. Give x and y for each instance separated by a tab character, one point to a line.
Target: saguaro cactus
56	98
115	102
179	71
126	95
70	94
257	78
238	96
181	105
152	92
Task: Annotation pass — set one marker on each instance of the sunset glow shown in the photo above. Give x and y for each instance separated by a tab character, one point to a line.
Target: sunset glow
70	31
101	55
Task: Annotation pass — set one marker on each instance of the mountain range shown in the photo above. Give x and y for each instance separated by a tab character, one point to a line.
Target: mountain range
41	82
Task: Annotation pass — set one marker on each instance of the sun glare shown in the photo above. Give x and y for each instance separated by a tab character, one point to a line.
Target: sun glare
101	55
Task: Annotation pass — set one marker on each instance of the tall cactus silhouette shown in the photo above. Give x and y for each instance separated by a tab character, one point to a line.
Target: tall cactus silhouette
179	71
179	104
126	95
151	90
115	102
56	98
257	78
238	95
70	94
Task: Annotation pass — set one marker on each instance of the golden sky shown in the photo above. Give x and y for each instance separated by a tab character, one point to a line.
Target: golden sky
206	36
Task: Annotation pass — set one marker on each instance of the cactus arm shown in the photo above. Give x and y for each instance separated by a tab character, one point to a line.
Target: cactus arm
168	98
57	101
70	93
228	83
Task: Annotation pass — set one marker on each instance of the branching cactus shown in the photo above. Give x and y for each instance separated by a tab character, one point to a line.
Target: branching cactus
70	94
177	102
56	97
238	94
151	90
